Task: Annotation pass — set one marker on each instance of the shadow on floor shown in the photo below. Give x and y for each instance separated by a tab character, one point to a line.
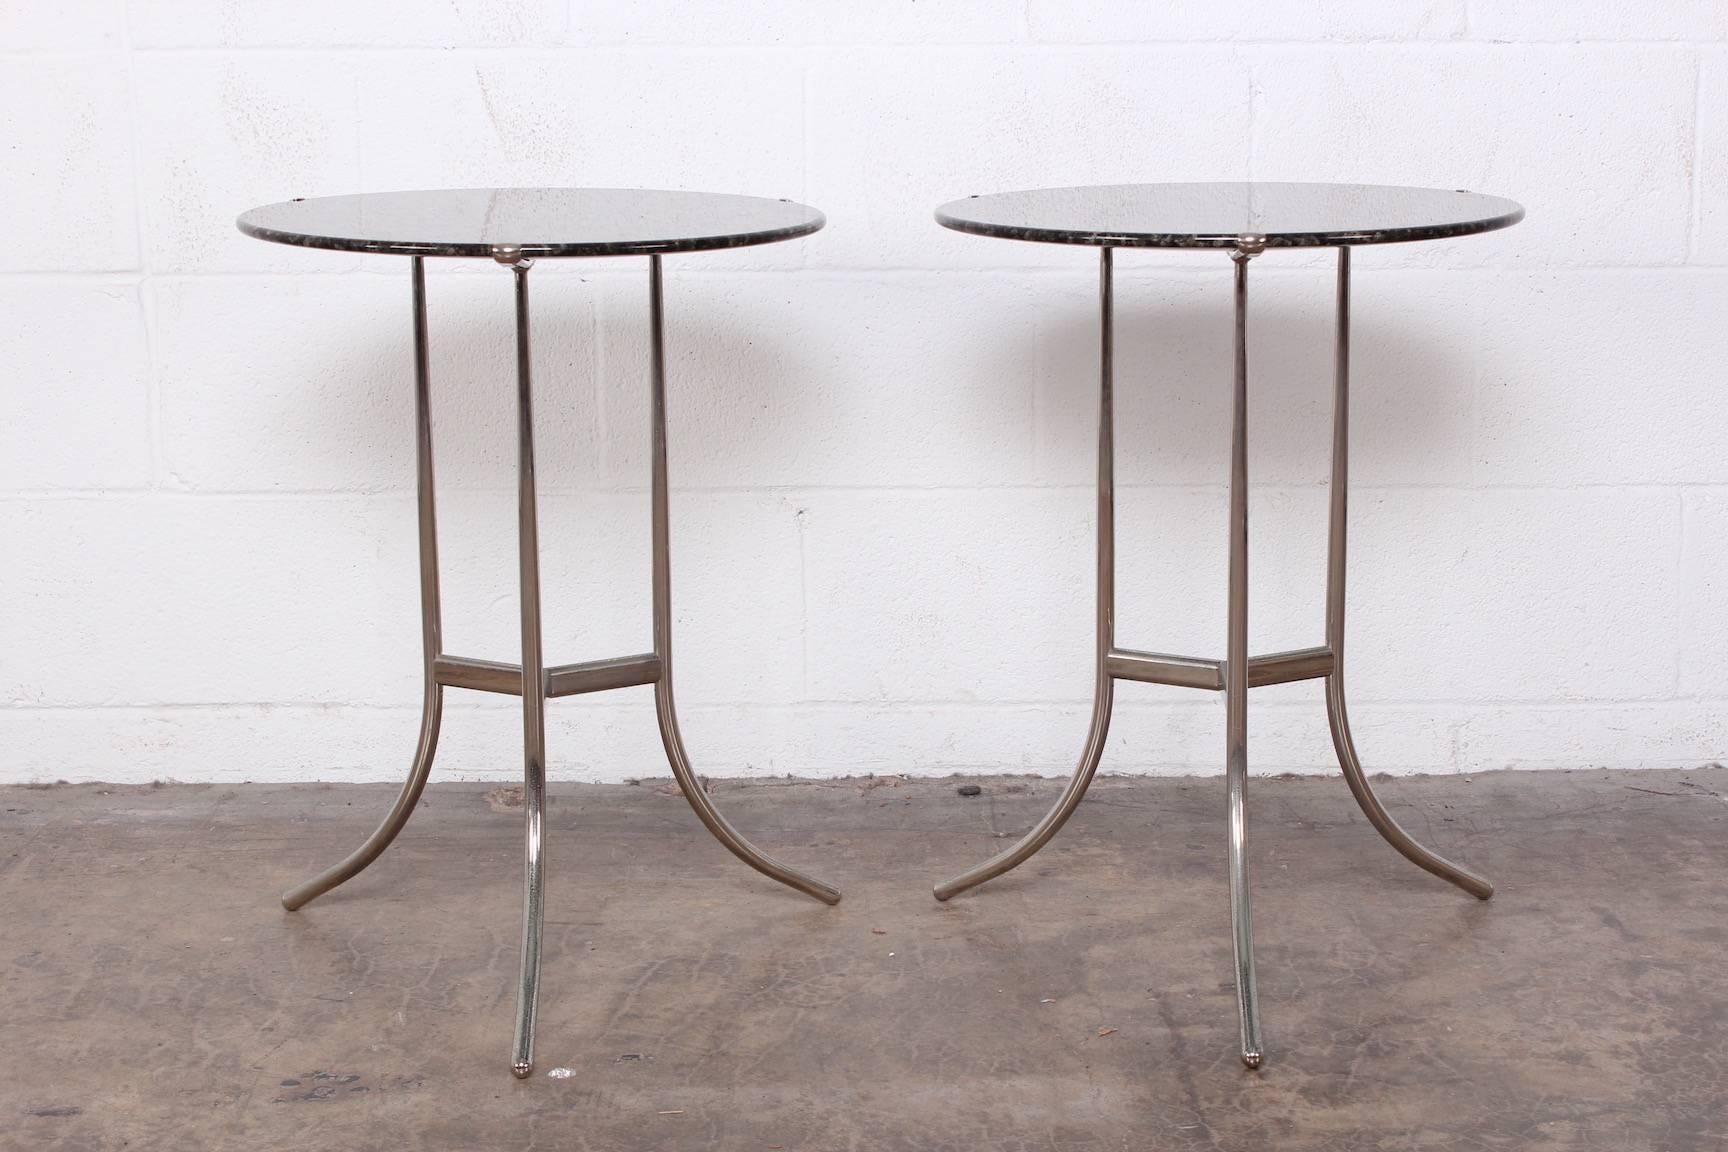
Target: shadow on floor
156	995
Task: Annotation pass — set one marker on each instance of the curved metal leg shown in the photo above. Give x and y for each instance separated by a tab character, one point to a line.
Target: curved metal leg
1236	688
533	690
1336	715
1104	685
664	709
356	862
432	707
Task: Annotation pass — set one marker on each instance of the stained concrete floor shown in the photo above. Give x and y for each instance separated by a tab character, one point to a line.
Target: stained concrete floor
156	996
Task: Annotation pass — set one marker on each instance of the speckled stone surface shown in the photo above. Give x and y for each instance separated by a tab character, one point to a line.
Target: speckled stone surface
1222	215
156	995
535	222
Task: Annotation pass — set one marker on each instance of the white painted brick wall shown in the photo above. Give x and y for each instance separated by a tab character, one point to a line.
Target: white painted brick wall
881	435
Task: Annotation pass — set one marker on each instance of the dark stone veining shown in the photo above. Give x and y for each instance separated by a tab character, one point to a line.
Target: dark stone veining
538	222
1224	215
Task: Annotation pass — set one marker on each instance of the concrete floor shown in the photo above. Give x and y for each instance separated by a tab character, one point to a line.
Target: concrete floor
156	996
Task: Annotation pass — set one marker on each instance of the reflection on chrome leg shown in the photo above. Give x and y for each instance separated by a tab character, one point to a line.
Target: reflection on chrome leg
1236	689
533	690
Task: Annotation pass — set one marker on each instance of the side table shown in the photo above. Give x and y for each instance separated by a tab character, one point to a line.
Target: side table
515	227
1244	220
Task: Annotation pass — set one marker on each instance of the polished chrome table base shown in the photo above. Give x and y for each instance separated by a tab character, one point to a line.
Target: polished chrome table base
532	679
1238	671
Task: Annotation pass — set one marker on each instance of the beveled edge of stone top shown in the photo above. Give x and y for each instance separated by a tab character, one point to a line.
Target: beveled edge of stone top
1230	215
530	222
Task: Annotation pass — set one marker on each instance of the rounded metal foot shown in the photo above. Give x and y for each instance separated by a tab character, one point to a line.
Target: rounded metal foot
1253	1059
521	1070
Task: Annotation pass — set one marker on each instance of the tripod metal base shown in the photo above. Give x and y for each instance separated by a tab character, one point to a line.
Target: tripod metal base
1238	671
532	680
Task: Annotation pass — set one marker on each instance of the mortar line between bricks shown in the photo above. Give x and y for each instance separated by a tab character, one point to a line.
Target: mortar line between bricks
803	603
141	217
109	277
1032	45
1251	142
804	149
368	495
1158	262
1475	322
159	471
1694	186
1679	635
1147	704
158	452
